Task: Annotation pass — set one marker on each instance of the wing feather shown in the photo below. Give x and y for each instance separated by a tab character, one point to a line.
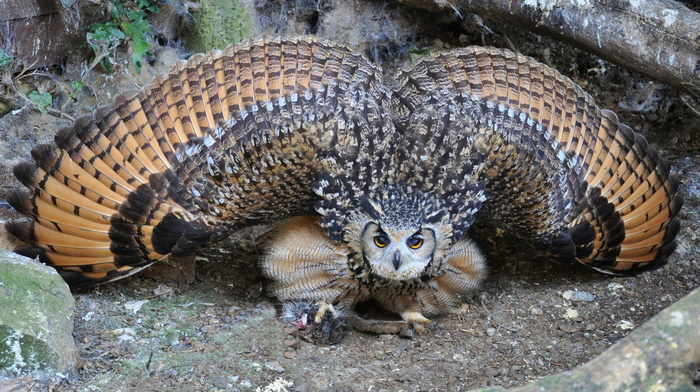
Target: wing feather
615	166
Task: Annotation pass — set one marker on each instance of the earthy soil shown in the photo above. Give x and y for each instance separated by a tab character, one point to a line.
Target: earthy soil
208	325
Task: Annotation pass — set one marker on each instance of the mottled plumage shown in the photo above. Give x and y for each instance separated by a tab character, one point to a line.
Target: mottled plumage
382	176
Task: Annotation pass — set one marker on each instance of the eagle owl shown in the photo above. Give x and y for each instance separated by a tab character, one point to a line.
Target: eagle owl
378	177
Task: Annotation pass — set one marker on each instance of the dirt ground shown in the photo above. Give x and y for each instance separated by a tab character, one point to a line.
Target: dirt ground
214	328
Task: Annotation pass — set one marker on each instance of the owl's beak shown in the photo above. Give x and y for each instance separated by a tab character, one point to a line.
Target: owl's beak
397	260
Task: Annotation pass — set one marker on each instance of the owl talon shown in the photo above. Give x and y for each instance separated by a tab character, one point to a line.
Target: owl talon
414	317
323	308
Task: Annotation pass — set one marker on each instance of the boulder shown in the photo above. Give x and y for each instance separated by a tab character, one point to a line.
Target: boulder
36	320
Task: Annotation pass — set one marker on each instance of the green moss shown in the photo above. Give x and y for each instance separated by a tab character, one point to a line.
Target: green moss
218	24
21	353
36	318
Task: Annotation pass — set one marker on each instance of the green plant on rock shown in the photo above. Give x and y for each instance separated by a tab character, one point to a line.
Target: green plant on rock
41	100
127	26
75	88
5	59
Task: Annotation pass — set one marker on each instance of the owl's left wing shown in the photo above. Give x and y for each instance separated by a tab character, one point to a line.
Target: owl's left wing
557	169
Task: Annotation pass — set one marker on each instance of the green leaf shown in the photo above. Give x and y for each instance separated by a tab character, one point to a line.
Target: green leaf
127	24
148	5
416	53
76	87
41	100
5	59
136	29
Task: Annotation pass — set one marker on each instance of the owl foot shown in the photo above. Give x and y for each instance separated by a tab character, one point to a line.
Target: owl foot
418	323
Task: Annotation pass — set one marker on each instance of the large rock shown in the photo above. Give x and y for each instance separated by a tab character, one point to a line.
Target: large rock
41	33
218	24
36	320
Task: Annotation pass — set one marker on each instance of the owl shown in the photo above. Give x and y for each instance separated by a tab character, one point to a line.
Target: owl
375	178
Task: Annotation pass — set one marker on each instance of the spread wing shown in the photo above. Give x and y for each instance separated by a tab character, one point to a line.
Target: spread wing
558	169
225	140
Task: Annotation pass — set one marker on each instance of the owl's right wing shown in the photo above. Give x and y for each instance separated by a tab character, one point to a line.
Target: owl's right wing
225	140
557	169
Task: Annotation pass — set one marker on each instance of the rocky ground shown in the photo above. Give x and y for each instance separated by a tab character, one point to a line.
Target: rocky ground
214	328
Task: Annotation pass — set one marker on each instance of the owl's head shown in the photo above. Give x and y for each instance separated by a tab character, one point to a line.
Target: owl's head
401	235
398	253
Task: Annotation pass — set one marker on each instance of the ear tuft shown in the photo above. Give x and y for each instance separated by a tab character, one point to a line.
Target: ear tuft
373	209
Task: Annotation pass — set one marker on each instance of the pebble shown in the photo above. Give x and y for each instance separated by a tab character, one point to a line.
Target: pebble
163	290
220	382
536	311
290	354
255	291
491	331
625	325
274	366
571	314
578	296
568	328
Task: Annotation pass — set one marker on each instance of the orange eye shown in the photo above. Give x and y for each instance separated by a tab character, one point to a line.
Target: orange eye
381	239
414	242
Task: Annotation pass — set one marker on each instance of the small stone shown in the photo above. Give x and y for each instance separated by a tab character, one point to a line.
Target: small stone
491	331
289	342
536	311
625	325
163	290
407	333
578	296
568	328
438	44
571	314
220	382
590	327
290	354
255	291
274	366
